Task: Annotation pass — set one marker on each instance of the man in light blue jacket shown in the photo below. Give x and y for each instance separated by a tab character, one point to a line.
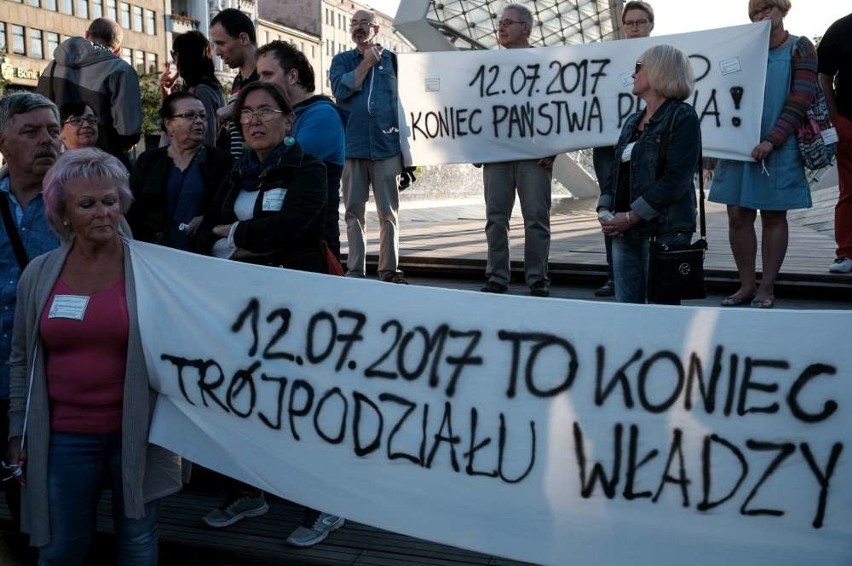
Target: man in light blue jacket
363	81
320	125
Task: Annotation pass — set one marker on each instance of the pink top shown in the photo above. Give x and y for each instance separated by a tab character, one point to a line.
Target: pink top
86	359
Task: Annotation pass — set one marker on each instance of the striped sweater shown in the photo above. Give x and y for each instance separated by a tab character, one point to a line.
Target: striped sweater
802	89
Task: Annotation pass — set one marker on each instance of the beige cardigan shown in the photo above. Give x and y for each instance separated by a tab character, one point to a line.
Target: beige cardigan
148	471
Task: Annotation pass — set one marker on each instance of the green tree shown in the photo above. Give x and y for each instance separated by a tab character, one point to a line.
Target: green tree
149	86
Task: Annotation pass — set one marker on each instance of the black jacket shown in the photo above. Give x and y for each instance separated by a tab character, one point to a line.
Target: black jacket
289	237
149	183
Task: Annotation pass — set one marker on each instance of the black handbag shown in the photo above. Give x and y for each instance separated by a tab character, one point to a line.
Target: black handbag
677	272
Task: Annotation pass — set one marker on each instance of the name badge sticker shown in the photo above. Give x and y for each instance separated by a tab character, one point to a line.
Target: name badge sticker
68	306
829	136
729	66
273	199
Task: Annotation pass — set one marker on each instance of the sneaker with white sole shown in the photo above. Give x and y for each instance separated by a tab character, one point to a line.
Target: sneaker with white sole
841	265
235	510
314	528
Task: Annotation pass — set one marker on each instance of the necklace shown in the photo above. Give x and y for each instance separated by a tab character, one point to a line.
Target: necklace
780	43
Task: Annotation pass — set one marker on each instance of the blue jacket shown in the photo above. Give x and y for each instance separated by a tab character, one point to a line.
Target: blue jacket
373	129
666	203
320	128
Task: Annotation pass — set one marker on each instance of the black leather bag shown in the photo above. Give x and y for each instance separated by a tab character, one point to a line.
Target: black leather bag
676	272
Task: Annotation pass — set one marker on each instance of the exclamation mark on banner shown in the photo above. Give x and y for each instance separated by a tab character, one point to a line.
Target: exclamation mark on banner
737	96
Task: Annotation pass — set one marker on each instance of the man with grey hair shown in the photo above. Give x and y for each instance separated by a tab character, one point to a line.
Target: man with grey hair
90	69
363	81
29	141
531	178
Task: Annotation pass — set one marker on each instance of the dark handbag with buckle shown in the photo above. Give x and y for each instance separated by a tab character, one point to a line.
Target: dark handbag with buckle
677	272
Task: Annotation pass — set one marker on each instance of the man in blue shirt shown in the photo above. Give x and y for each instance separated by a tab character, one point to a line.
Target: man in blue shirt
29	142
363	81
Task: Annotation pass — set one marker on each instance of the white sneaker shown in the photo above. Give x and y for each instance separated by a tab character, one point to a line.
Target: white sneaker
314	529
841	265
235	510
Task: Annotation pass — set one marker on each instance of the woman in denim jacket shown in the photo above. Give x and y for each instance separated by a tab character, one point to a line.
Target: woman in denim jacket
652	192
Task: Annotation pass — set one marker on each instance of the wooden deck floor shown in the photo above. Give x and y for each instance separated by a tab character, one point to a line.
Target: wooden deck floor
186	541
452	236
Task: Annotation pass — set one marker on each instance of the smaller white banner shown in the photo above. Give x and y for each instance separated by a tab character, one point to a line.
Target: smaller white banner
488	106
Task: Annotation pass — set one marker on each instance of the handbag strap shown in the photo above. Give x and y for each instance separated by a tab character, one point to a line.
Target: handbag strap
12	232
701	218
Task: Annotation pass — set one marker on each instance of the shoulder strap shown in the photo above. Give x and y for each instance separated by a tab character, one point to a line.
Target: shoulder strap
701	218
395	64
12	232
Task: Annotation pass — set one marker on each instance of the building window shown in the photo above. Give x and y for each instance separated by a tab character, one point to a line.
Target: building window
52	43
139	61
97	9
150	22
3	45
111	12
151	62
65	6
34	3
18	40
124	15
83	9
127	55
137	18
36	46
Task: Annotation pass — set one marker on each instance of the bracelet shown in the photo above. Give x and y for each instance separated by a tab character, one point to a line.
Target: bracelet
629	221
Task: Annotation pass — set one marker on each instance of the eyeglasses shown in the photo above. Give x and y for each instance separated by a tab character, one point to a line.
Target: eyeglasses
637	68
192	116
264	114
78	121
760	11
507	23
636	23
360	24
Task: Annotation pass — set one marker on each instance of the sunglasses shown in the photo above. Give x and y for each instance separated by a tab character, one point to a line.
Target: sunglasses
637	68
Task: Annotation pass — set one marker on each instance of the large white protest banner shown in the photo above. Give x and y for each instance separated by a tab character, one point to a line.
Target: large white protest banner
487	106
546	430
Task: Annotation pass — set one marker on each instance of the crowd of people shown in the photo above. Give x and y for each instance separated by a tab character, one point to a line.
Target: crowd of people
258	178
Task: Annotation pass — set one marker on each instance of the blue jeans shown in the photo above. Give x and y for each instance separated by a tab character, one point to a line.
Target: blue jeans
78	467
630	264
